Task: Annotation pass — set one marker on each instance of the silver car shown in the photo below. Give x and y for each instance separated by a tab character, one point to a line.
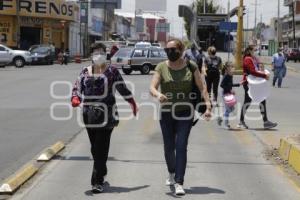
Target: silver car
16	57
144	60
120	59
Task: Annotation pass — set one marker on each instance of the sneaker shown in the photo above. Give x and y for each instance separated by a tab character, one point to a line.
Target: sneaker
226	125
179	189
97	189
219	120
242	125
171	179
269	125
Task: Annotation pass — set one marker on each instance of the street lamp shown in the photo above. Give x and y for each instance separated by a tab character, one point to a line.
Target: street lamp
294	31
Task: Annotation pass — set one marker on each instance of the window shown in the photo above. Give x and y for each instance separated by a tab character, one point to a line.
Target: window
2	49
163	54
140	53
155	54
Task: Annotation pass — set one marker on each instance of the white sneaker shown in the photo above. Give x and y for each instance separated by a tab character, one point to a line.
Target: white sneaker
179	189
171	179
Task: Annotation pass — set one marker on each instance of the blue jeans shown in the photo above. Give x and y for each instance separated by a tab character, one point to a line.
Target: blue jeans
175	135
278	74
227	112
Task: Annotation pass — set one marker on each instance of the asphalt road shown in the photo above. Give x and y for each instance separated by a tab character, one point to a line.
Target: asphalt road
221	164
26	126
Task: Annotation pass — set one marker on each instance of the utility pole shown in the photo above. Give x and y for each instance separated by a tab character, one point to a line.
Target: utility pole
229	42
260	35
278	22
204	7
255	17
18	34
239	45
294	31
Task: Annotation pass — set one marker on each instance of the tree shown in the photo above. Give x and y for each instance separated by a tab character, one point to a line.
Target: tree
209	7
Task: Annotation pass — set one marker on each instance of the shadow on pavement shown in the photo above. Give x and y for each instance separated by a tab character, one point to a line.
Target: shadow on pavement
204	190
263	129
196	190
114	189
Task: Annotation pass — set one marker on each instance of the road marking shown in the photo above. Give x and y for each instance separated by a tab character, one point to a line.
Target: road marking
51	151
11	184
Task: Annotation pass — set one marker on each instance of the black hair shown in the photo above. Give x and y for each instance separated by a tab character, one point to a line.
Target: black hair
98	46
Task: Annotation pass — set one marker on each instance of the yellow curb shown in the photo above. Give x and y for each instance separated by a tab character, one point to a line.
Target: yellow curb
285	147
51	151
294	157
15	181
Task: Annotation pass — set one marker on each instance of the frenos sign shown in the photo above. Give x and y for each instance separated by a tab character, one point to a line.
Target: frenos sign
59	9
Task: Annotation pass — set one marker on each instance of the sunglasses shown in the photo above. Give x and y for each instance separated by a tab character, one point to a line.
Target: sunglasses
172	49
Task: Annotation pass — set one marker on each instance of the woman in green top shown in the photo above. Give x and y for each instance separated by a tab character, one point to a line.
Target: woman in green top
175	77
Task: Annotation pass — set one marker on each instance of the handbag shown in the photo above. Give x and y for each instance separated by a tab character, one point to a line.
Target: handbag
100	114
229	99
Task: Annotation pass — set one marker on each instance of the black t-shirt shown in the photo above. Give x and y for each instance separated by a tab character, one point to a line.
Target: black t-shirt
213	63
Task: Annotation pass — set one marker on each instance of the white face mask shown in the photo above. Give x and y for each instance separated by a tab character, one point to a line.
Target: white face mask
99	59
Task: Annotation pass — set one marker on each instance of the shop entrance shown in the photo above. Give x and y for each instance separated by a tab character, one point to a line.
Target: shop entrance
29	36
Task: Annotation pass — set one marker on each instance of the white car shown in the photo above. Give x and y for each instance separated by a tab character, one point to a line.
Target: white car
16	57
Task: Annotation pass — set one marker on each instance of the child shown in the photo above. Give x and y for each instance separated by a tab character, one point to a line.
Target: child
228	94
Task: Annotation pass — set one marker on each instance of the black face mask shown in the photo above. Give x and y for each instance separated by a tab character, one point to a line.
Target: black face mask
172	54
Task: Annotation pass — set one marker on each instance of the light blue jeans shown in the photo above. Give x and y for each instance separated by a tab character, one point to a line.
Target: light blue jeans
227	112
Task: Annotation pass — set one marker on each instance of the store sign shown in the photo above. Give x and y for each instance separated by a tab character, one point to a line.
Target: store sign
5	30
59	9
31	21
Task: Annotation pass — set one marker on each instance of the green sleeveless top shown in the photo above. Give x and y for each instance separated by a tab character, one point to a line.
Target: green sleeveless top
176	85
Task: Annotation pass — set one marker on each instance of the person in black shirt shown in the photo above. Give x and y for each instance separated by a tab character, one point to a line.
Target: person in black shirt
227	85
213	64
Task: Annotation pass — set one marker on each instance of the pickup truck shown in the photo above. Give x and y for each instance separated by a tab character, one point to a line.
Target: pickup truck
16	57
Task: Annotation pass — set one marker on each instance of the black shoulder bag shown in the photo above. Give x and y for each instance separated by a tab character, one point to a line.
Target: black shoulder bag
100	114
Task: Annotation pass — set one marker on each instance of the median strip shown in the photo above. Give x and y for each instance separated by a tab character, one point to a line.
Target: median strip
289	151
51	151
11	184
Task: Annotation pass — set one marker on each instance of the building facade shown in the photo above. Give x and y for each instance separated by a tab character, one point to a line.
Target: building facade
287	24
36	22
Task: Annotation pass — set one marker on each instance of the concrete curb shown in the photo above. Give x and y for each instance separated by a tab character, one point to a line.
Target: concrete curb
289	150
51	151
11	184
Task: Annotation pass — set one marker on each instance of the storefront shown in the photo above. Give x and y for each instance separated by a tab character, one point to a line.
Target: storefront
39	22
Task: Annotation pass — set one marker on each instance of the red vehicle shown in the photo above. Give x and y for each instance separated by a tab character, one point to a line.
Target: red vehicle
293	54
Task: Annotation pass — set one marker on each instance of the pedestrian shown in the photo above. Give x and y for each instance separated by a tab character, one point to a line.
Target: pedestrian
193	54
228	94
66	55
213	65
175	78
251	67
60	57
95	88
279	67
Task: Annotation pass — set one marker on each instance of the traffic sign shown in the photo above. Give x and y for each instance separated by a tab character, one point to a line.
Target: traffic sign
228	26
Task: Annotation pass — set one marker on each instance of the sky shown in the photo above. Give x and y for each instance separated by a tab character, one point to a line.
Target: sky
268	9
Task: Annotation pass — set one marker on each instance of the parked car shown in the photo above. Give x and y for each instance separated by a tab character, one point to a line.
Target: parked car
42	54
156	44
293	54
16	57
143	45
144	60
121	57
